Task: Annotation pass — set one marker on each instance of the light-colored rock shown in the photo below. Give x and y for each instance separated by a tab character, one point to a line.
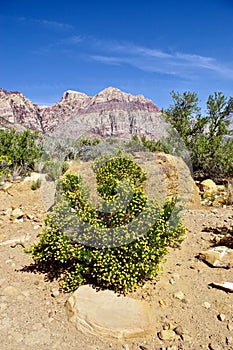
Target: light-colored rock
221	317
206	305
214	346
179	295
167	334
181	331
226	286
17	213
34	177
220	256
6	186
104	313
55	292
208	185
168	176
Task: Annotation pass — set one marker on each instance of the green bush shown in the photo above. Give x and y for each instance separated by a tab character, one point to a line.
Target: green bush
117	245
21	150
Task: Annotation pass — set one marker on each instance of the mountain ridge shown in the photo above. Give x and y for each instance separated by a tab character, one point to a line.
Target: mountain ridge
111	112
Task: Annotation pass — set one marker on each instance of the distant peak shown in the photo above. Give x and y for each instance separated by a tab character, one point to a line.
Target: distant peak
73	95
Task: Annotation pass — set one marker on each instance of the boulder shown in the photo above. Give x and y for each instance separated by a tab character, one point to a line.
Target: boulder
104	313
168	176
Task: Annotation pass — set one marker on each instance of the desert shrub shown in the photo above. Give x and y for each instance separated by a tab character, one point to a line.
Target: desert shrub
117	245
54	169
22	150
5	165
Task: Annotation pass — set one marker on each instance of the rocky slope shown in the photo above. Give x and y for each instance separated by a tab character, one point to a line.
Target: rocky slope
109	113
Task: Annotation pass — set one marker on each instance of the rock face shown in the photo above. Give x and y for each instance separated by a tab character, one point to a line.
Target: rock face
168	176
109	113
17	112
104	313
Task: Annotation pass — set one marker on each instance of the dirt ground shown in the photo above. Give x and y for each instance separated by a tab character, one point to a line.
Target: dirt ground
33	315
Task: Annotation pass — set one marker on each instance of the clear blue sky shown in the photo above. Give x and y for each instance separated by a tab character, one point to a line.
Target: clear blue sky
144	47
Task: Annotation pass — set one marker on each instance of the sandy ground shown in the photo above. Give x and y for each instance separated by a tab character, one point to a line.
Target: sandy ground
32	312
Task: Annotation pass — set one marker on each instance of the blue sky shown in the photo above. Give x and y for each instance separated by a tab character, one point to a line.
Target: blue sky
142	47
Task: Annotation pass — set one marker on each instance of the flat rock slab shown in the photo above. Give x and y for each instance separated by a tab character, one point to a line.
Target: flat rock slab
104	313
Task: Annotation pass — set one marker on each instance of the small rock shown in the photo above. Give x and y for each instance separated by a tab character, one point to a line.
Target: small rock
179	295
17	213
30	217
125	347
36	227
206	305
166	334
229	340
221	317
55	293
214	346
6	186
230	327
179	330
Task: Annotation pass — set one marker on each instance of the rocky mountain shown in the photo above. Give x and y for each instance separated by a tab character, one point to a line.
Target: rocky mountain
109	113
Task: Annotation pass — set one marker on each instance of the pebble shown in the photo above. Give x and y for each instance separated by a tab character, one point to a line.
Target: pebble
55	293
221	317
206	305
17	213
166	334
125	347
179	330
214	346
179	295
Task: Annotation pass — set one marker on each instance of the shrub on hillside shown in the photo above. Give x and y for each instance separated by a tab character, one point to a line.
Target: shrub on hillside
117	245
20	149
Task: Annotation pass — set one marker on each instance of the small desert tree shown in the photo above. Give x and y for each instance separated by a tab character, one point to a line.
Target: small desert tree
206	137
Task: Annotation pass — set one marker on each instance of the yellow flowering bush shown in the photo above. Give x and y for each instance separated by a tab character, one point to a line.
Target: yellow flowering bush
117	245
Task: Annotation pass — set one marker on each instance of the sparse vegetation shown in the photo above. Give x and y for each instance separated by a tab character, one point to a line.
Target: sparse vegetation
36	184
